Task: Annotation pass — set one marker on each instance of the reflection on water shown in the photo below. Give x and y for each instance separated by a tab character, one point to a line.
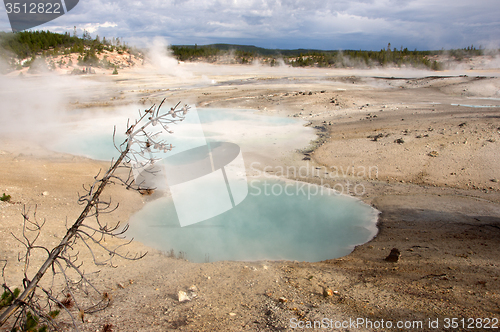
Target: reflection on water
476	106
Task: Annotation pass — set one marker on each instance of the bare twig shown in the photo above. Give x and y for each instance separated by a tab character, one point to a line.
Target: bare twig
137	150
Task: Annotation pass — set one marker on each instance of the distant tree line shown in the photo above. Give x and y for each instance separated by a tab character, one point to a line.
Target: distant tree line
30	44
184	53
354	58
316	58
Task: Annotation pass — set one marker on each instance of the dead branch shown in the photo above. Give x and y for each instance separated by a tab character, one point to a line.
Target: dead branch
137	150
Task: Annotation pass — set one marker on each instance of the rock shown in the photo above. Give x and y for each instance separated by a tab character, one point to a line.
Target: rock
327	292
45	193
193	288
399	141
433	154
283	299
494	180
232	314
393	256
376	137
183	297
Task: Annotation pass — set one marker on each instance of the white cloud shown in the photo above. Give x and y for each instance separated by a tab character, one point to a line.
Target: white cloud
368	24
93	27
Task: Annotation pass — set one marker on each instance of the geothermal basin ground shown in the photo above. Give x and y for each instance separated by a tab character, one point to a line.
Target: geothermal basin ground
422	157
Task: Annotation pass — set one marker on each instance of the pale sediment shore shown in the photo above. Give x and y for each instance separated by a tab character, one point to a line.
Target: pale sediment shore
434	177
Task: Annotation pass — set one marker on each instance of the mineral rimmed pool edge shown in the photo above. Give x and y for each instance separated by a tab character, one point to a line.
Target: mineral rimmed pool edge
27	14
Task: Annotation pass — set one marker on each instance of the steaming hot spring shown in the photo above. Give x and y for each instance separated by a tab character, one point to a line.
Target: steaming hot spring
275	219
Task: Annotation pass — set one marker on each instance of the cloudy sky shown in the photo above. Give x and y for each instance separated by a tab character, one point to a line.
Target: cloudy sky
289	24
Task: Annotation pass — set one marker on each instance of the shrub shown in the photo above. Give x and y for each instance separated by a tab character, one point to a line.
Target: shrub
5	198
8	297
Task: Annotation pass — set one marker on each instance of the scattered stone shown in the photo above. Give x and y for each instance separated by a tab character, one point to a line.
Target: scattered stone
283	299
399	141
376	137
327	292
433	154
393	256
183	297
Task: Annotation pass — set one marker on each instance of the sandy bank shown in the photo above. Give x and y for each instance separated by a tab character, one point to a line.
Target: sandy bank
437	187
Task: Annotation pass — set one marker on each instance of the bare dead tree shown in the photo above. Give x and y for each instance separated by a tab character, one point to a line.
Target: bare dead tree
139	151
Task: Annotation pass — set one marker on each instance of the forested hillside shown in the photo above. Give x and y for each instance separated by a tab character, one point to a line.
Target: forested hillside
22	48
